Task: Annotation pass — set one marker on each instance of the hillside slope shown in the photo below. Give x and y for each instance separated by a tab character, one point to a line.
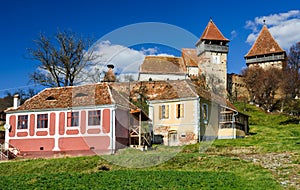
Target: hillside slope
266	159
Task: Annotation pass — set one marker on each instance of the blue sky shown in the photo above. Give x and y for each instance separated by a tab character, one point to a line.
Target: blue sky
21	21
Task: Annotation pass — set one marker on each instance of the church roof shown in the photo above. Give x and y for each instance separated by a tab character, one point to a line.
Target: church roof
264	44
163	65
212	32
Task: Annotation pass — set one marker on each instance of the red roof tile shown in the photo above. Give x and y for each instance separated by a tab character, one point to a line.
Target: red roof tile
212	32
264	44
115	93
163	64
75	96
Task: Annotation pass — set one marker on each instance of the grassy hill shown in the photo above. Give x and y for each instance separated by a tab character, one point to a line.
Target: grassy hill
266	159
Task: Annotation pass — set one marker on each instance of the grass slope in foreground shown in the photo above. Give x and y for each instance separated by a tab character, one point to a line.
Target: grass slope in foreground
219	168
185	171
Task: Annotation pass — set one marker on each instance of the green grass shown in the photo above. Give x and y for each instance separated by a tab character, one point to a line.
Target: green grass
185	171
269	132
220	167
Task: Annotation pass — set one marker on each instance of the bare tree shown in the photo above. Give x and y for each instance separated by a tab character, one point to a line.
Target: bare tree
61	60
294	57
263	85
251	77
291	80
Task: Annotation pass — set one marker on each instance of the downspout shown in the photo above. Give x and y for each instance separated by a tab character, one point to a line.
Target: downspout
112	120
198	119
7	127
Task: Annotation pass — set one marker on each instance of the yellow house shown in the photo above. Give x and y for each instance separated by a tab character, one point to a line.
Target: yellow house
185	116
181	112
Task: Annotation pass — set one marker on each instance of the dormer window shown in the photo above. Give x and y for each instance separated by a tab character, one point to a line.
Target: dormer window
80	94
50	98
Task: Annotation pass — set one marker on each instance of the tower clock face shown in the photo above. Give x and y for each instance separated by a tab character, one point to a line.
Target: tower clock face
216	59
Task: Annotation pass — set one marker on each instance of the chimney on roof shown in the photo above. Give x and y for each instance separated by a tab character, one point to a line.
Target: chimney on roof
16	101
110	75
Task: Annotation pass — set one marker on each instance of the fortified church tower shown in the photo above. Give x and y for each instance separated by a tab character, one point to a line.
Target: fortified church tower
265	51
212	49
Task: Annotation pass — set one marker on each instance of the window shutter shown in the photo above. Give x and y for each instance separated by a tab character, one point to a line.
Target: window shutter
177	110
69	119
160	112
181	110
167	111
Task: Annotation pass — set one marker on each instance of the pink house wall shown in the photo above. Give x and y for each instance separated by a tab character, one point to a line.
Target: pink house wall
68	138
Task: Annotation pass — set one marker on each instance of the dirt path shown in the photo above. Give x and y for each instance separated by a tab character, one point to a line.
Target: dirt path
284	166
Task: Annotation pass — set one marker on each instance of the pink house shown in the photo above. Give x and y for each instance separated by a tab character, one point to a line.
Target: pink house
80	120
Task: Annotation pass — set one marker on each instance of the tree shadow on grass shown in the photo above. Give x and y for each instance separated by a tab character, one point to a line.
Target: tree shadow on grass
290	121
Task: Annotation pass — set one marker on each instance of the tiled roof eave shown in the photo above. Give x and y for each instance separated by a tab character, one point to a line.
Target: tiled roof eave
174	99
61	109
211	39
263	54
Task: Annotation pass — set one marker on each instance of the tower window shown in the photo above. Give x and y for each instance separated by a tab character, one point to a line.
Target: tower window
216	59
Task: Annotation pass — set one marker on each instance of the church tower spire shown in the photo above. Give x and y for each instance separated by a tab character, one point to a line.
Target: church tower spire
212	40
265	51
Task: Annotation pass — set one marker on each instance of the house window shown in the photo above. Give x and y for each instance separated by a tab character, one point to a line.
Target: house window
164	112
42	121
205	112
94	117
73	119
179	110
23	122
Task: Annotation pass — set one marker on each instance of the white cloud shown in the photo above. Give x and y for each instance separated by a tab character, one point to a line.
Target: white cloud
149	51
285	28
233	34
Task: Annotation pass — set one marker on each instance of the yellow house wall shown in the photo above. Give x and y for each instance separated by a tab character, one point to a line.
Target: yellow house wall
230	133
210	128
187	125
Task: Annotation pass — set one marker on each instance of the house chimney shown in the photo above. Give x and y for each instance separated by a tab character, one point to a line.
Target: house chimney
16	101
109	75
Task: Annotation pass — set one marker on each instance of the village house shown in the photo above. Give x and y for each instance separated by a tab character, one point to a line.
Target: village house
81	120
181	112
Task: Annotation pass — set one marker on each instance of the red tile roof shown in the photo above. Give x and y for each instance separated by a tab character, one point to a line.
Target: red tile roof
115	93
264	44
75	96
212	32
163	65
166	90
156	90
